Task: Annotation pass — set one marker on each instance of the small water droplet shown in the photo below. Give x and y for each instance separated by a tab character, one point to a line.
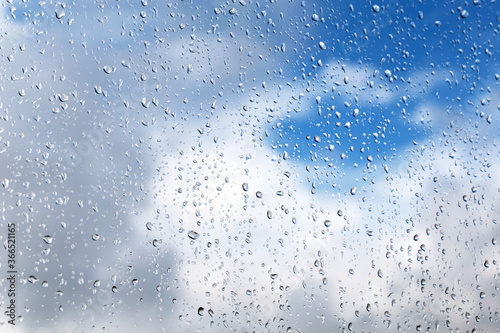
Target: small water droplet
201	311
60	14
149	226
376	8
47	239
269	214
328	223
322	46
193	234
245	187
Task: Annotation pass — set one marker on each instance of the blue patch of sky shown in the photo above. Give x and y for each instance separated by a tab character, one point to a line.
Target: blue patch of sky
433	49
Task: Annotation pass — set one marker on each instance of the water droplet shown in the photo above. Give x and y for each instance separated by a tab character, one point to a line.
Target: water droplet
328	223
245	187
258	194
315	17
269	214
353	190
60	14
322	46
114	289
47	239
149	226
201	311
376	8
193	234
274	276
379	273
233	11
95	237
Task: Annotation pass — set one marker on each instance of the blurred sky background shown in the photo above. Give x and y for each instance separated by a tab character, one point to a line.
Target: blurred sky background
240	166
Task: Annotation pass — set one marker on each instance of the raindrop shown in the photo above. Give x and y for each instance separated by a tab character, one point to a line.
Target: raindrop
328	223
322	46
269	214
149	226
193	234
245	187
201	311
353	190
60	14
376	8
47	239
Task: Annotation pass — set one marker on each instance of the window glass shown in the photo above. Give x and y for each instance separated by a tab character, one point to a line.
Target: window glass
250	166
